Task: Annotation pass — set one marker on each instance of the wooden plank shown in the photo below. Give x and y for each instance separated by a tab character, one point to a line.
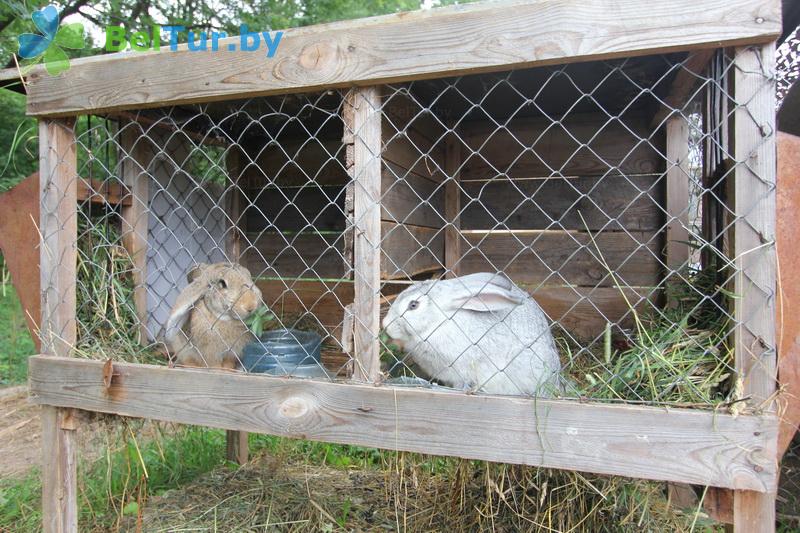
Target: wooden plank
580	144
424	44
684	85
755	281
610	202
135	161
237	445
234	209
58	224
559	257
103	192
410	199
293	162
452	205
366	175
311	207
410	150
322	302
584	311
678	176
59	472
292	255
408	250
643	442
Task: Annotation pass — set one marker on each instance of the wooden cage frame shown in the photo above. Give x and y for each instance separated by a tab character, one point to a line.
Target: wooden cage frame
681	445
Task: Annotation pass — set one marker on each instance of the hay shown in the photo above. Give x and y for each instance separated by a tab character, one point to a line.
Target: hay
411	493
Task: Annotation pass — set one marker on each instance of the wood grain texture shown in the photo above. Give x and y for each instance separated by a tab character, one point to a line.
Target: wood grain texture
235	204
677	193
755	282
292	299
58	225
292	255
408	250
405	46
684	85
237	444
755	175
237	448
674	445
411	199
559	257
584	311
134	166
580	144
452	205
103	192
311	207
366	174
611	202
59	472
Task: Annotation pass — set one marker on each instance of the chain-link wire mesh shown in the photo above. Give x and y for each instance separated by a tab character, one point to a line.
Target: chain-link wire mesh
559	231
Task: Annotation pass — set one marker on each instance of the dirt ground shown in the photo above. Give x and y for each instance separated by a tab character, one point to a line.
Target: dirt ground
20	432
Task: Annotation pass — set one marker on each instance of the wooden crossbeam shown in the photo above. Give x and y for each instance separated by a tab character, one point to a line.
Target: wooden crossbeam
645	442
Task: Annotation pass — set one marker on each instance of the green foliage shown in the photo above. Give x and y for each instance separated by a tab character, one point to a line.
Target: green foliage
19	150
15	340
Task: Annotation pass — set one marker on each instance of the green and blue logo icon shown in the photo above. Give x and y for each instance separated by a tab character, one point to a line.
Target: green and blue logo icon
49	46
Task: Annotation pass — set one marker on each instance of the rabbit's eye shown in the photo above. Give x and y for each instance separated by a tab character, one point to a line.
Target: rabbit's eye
222	284
413	304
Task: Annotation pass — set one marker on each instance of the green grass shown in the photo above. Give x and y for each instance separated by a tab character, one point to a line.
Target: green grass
15	340
136	468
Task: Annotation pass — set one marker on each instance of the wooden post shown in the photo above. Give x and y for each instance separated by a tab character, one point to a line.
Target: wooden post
135	215
237	447
58	223
366	174
677	192
452	206
233	244
677	250
755	282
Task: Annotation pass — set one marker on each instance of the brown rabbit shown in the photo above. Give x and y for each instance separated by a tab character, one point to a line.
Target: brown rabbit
217	300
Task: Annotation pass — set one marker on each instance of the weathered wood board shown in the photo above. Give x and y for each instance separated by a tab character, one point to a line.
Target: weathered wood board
405	46
653	443
559	257
607	203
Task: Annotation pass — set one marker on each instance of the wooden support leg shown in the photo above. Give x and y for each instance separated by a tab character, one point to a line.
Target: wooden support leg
237	448
755	282
753	512
59	475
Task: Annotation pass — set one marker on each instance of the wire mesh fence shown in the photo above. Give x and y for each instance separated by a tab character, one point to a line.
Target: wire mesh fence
563	231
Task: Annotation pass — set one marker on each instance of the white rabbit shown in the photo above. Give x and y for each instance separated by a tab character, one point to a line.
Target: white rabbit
478	332
206	326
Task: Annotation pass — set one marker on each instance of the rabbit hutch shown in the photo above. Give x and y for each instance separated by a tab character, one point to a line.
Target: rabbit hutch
613	161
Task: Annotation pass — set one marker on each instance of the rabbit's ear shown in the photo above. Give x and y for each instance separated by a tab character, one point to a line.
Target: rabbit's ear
195	272
182	309
478	295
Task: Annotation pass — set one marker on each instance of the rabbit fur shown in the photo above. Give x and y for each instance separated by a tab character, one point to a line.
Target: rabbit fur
205	327
478	332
